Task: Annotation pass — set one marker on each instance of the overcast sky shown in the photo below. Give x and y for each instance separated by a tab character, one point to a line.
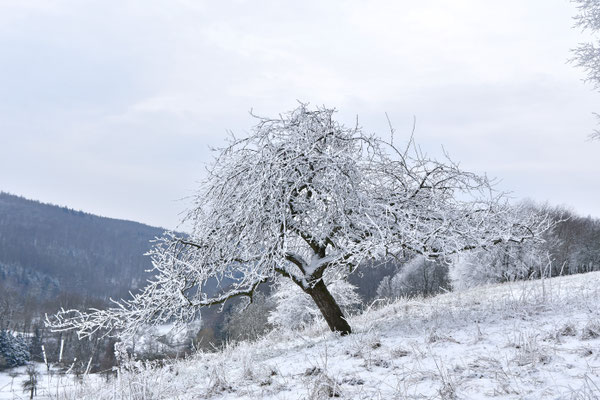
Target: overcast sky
110	106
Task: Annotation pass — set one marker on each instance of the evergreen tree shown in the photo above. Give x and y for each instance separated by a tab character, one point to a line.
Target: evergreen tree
35	347
13	350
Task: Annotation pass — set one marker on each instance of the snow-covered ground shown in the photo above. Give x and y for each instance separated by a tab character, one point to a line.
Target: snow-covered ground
526	340
51	384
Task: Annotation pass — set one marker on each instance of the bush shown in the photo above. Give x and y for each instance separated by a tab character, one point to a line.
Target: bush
248	321
502	263
13	350
418	277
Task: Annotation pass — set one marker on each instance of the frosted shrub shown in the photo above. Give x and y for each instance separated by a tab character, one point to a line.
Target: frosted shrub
470	270
13	350
248	321
157	342
419	276
502	263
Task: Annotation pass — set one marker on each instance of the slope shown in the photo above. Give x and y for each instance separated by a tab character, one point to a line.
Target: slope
529	340
46	249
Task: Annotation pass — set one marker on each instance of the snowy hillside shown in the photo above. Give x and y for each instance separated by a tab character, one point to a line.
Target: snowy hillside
529	340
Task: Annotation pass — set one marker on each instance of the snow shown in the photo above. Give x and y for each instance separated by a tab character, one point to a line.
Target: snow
51	384
527	340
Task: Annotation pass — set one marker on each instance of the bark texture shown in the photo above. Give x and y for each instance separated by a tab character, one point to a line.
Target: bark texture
329	308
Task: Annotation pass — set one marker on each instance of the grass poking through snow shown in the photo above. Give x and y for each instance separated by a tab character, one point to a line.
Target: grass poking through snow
529	340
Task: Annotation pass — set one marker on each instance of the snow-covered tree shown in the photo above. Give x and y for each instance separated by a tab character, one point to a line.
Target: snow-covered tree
587	55
419	276
35	345
503	263
13	350
302	195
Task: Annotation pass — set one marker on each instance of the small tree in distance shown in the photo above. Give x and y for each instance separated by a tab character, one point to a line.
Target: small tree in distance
31	383
300	196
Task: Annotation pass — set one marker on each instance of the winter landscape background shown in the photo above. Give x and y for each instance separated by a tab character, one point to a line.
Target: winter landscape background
435	236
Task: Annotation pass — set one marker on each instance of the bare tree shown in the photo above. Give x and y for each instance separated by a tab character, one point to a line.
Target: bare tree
31	383
301	195
587	55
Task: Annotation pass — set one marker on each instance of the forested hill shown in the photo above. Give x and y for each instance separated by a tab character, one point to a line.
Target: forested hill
46	250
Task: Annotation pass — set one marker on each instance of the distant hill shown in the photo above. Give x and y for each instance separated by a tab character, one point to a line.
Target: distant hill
53	257
46	250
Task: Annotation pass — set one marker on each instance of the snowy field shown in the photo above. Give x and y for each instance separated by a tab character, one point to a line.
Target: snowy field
51	384
526	340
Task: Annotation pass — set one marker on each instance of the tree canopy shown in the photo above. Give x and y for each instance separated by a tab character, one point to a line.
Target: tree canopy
301	195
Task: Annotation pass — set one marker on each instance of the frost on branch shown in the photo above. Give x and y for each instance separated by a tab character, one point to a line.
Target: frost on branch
302	195
503	263
587	55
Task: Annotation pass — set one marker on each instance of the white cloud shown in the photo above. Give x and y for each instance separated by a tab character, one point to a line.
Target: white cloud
137	89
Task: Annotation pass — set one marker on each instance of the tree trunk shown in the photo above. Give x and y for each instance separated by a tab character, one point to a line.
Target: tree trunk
329	308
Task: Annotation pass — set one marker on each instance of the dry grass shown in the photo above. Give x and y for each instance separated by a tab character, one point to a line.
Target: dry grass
503	342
